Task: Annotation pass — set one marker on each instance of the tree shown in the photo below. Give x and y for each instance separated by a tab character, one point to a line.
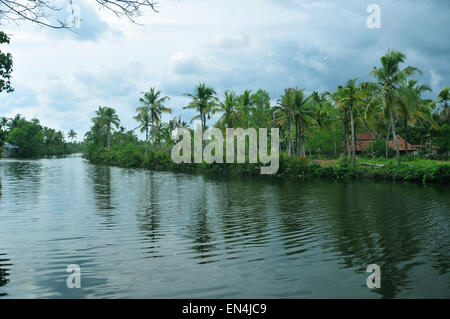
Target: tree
106	119
352	96
150	112
28	137
284	112
39	11
411	106
261	115
303	118
229	109
6	66
203	101
327	115
389	77
72	134
245	108
443	98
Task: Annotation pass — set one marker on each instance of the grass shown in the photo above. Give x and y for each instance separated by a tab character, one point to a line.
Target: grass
408	161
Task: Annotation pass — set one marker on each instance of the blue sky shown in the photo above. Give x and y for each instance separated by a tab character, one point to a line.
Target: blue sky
61	77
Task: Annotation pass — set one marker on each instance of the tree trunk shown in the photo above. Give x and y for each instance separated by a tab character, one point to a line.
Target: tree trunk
431	145
289	136
334	141
405	123
297	136
352	123
394	134
146	141
108	138
346	149
387	141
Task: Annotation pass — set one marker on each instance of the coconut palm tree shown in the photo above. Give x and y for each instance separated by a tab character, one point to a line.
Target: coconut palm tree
245	108
303	114
261	109
327	115
352	96
106	118
203	101
443	98
229	109
72	134
387	89
151	111
283	113
410	104
143	117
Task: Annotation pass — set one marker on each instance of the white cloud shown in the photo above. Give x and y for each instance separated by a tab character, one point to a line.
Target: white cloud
61	78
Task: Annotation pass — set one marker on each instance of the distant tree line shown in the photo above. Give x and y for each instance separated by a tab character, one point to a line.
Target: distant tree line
318	125
27	139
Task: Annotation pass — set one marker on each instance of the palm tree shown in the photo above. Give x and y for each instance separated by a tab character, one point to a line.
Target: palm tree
410	104
443	98
389	77
283	112
203	101
327	116
229	109
343	108
245	107
303	118
151	111
352	96
145	124
72	134
261	109
106	118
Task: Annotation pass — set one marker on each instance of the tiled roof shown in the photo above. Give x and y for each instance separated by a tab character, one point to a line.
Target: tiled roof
363	140
366	136
401	144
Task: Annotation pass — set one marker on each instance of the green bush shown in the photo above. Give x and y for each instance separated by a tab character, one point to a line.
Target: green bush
132	155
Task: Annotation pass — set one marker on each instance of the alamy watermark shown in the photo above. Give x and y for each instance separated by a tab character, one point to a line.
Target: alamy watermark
374	19
213	151
374	279
74	279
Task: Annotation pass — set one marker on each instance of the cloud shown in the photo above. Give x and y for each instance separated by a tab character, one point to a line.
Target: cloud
61	77
186	63
85	20
230	41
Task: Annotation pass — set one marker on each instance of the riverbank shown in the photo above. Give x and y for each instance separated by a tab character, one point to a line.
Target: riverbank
132	156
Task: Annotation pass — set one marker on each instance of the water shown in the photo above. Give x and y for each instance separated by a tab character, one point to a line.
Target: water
144	234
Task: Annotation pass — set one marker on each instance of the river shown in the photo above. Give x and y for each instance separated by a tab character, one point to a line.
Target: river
144	234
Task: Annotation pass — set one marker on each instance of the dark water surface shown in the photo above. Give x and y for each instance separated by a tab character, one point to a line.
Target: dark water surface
145	234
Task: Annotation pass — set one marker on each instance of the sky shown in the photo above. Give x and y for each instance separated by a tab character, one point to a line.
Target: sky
62	76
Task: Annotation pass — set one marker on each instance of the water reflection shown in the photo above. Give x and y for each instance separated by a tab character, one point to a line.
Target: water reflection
148	214
368	226
102	187
139	233
4	271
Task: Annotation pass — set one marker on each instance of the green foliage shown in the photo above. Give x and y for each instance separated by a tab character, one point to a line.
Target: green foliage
6	66
377	149
29	138
132	155
323	143
34	140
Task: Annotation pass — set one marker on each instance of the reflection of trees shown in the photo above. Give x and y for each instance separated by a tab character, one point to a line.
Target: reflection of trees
367	228
295	224
27	177
4	274
149	210
200	230
101	180
243	217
